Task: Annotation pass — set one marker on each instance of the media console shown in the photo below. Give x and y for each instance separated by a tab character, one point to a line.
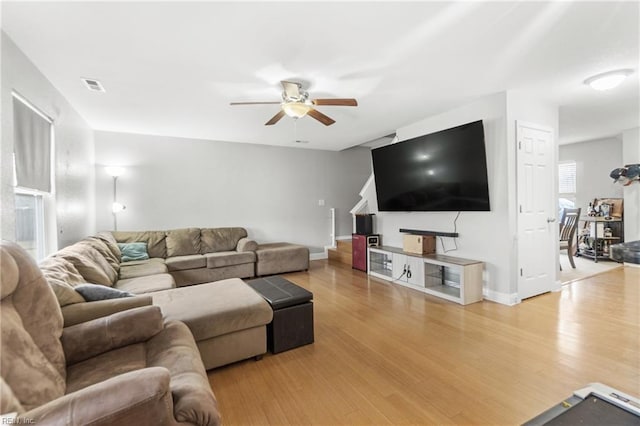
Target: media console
451	278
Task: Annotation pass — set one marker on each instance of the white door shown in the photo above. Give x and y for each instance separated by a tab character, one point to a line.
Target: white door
537	231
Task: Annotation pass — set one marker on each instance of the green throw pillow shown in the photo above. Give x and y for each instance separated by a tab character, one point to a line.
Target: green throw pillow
133	251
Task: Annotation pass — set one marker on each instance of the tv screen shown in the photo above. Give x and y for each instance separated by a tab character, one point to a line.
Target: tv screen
443	171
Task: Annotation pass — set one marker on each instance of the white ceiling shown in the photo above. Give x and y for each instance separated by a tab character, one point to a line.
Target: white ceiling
172	68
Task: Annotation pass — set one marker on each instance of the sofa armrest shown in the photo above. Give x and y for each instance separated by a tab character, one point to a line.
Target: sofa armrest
88	339
140	397
81	312
245	244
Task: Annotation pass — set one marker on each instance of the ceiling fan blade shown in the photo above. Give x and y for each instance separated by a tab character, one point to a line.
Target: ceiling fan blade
291	89
338	102
327	121
255	103
275	118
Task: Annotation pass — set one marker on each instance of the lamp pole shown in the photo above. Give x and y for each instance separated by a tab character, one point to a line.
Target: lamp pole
113	211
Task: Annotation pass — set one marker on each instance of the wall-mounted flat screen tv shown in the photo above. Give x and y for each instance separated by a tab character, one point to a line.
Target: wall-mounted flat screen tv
442	171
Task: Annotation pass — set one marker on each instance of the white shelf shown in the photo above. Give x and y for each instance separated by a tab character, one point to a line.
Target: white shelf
451	278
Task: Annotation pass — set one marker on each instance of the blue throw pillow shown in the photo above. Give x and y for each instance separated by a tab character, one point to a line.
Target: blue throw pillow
133	251
93	292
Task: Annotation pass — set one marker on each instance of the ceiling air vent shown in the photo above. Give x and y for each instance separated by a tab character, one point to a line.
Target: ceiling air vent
93	84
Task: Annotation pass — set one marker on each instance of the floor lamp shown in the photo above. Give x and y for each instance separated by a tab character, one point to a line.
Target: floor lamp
116	207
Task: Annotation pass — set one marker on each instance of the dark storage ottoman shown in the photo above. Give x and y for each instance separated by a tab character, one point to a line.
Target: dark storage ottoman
292	305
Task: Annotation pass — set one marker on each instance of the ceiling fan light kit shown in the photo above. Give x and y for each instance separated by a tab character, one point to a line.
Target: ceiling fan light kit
296	104
295	109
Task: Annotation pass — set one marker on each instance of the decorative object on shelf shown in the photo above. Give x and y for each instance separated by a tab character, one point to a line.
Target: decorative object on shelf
626	175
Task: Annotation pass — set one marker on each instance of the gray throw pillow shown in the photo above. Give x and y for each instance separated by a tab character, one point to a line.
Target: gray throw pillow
93	292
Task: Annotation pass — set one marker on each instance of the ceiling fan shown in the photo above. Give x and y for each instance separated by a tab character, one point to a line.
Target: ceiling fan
296	103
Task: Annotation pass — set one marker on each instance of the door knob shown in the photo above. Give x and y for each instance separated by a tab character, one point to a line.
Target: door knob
551	219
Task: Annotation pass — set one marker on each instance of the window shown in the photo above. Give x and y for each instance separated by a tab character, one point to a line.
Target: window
33	169
30	223
566	186
567	178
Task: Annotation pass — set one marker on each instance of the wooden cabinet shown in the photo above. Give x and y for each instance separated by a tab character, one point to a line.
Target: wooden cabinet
408	269
359	252
451	278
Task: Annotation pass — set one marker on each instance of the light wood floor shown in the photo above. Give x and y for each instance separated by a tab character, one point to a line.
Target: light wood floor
385	354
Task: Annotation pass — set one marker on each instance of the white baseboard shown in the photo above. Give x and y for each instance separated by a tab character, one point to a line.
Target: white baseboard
633	265
318	256
502	298
343	237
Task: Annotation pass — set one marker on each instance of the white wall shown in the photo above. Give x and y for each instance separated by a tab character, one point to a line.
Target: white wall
483	235
521	107
486	236
74	149
631	155
271	191
594	161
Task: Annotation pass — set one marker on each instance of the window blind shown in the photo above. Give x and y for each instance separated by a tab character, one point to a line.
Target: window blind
31	148
567	177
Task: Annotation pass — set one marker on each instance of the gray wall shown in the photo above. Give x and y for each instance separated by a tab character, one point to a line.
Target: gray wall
274	192
74	150
594	161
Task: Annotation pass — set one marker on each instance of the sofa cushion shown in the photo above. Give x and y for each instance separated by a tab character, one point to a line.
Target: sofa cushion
133	251
278	258
156	241
214	309
146	284
33	362
193	401
220	239
183	242
141	269
62	276
102	248
245	244
93	292
111	242
90	270
8	401
229	258
144	262
191	261
104	366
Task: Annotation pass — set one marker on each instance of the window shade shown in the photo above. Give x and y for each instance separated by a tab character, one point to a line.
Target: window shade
31	148
567	177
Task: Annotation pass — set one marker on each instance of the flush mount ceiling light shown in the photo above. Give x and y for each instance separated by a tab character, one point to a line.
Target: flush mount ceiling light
608	80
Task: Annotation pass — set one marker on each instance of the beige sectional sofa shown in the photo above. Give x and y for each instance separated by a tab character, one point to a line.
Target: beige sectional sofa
227	318
129	368
190	256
